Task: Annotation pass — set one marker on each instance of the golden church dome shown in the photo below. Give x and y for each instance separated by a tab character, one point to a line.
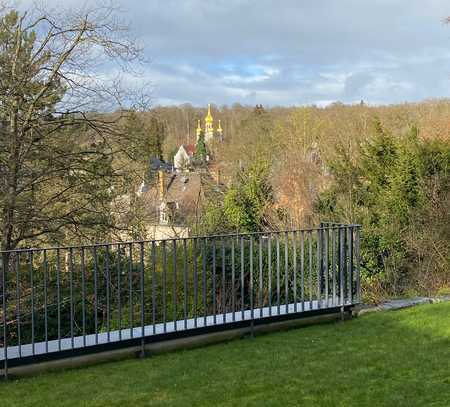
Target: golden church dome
209	118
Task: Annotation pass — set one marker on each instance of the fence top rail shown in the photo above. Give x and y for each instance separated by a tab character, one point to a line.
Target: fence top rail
325	225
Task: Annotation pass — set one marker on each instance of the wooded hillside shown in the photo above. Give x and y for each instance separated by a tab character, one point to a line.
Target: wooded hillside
386	167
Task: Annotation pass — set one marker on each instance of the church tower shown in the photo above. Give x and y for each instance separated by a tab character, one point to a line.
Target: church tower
209	130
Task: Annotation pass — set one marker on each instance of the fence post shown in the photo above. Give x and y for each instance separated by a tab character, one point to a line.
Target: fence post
142	299
320	265
357	261
4	261
350	263
341	267
326	236
252	331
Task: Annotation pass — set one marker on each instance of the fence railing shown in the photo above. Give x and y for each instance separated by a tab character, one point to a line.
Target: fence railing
59	300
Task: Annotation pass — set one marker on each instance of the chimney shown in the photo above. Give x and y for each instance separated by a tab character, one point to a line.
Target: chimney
218	176
161	185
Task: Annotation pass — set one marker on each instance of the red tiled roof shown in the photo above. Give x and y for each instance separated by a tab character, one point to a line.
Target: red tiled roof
190	148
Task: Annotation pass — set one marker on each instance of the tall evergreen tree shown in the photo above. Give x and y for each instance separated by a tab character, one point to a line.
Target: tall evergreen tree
201	151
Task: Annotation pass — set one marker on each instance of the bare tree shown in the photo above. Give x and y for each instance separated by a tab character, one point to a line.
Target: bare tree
63	90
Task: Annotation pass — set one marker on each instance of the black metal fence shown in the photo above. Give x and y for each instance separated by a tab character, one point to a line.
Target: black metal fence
61	301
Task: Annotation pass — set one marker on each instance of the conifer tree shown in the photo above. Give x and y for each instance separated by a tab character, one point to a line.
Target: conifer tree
201	151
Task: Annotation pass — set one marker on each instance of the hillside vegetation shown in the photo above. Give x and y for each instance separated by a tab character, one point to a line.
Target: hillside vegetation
384	167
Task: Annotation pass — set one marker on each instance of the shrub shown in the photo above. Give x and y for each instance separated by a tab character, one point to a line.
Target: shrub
397	187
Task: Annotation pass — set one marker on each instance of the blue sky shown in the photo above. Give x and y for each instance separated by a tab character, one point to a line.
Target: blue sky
292	52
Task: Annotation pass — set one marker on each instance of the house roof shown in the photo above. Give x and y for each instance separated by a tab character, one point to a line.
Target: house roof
186	189
190	148
157	164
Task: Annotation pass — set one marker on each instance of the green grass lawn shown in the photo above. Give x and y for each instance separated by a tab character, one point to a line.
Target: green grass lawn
396	358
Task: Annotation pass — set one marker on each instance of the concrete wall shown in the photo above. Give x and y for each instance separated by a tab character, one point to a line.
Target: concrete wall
160	232
171	345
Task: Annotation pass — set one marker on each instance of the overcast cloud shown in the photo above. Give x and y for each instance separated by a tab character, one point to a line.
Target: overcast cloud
290	52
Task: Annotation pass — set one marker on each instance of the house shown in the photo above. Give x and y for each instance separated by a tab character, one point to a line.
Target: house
172	200
172	195
183	159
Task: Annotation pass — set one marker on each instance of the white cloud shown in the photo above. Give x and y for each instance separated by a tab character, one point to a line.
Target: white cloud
293	52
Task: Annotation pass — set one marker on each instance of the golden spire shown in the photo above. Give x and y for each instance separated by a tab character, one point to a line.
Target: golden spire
209	118
209	130
219	128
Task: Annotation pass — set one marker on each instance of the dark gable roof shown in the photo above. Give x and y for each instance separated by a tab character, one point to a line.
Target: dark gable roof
156	164
184	189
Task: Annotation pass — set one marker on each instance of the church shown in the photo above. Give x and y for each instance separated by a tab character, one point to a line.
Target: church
173	193
210	133
184	157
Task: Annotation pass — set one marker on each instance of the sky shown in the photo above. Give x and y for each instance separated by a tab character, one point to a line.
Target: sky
292	52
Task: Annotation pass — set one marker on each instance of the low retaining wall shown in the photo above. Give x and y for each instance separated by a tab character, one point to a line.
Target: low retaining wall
172	345
212	338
